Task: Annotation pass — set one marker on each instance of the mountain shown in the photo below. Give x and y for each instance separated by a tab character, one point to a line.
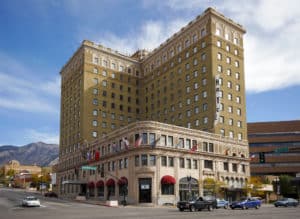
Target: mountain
38	153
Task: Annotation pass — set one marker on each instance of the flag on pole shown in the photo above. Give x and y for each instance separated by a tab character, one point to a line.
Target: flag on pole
138	141
194	148
97	156
154	143
126	143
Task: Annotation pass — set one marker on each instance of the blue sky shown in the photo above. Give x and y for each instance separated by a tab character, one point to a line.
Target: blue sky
38	37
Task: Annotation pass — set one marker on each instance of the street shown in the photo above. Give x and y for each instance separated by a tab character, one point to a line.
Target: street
51	208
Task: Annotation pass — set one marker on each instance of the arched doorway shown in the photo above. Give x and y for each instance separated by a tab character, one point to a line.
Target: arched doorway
188	188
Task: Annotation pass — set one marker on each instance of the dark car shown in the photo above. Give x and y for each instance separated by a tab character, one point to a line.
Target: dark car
51	194
286	202
197	204
246	203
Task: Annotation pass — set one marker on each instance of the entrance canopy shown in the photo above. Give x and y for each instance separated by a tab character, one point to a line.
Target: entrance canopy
100	183
91	184
110	182
122	181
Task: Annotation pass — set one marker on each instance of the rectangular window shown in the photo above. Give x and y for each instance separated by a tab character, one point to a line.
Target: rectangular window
151	138
195	164
205	146
234	167
164	161
211	147
181	162
145	138
170	141
137	160
152	160
125	162
225	165
189	163
163	140
144	159
181	143
208	164
171	161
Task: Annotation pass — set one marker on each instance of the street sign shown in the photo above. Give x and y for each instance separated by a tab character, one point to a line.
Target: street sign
88	168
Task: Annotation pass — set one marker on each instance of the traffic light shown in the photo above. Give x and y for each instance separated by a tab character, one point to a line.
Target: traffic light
262	157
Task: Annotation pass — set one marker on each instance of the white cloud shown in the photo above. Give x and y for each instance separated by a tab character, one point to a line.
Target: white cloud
149	36
19	90
32	135
271	41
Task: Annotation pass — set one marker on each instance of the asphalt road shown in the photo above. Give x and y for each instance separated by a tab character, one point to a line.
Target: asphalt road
54	208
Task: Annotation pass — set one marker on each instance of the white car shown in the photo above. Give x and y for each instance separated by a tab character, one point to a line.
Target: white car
31	201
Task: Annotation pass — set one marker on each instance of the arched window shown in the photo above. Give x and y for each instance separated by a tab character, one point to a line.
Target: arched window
100	188
110	188
123	186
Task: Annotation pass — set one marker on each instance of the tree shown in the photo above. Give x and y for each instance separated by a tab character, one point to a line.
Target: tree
286	187
213	187
255	185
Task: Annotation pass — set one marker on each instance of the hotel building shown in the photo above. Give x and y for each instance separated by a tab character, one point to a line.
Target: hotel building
157	121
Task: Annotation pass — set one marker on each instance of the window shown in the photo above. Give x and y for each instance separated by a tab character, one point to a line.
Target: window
204	107
229	96
95	112
243	168
203	69
167	189
228	71
230	122
152	160
195	49
164	161
94	134
203	56
95	102
239	124
219	43
227	48
187	66
210	147
144	159
103	124
221	119
203	44
104	83
195	164
95	123
218	32
228	60
238	111
226	36
236	64
187	54
170	141
205	120
220	68
171	161
195	62
95	81
225	166
237	87
188	163
238	99
188	90
222	132
234	167
144	138
137	160
196	110
235	40
95	70
231	135
181	162
237	75
104	73
240	136
163	140
95	91
196	98
204	94
188	113
236	52
208	164
230	109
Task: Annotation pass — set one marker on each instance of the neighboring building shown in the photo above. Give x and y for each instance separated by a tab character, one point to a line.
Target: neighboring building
195	80
275	147
18	168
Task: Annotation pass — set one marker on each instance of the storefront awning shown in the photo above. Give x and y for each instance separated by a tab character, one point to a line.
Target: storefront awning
168	180
91	184
100	183
122	181
110	182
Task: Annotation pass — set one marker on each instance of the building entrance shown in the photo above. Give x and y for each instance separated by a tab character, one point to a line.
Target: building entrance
145	190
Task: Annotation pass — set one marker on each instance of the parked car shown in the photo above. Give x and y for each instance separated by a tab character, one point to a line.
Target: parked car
31	201
286	202
197	204
246	203
50	194
222	203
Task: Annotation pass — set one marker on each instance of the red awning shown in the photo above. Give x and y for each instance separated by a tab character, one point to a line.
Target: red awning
91	184
100	183
168	180
110	182
122	181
